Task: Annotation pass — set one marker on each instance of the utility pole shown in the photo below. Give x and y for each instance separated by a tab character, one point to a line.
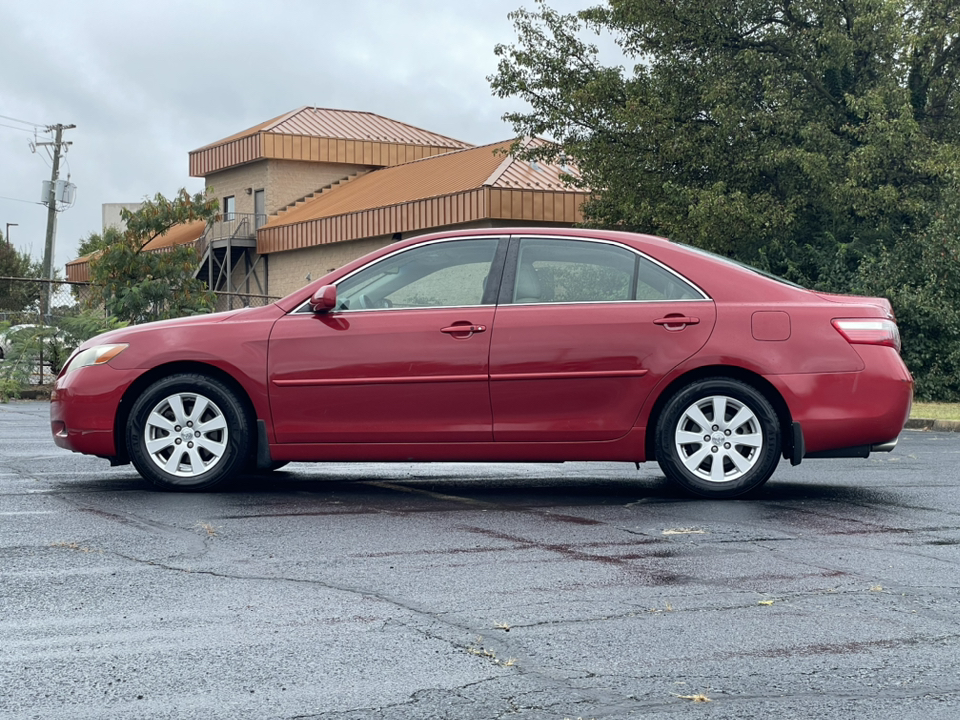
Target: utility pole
58	146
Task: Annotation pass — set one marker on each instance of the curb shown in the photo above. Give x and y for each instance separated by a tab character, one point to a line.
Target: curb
936	425
39	393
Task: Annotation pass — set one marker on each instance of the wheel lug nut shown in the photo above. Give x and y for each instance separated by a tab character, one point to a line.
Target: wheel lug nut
716	427
177	428
190	445
706	438
714	448
727	445
189	424
178	441
726	432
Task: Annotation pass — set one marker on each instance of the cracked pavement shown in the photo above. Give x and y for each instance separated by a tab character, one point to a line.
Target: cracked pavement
374	591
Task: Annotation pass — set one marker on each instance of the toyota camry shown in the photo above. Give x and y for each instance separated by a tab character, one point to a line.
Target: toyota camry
501	345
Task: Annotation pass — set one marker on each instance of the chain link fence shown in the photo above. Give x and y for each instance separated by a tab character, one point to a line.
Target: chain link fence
40	325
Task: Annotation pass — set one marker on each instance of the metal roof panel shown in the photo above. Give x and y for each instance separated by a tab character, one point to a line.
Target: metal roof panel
446	174
345	125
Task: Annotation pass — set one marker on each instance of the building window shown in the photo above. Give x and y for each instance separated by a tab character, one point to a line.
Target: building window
229	208
259	208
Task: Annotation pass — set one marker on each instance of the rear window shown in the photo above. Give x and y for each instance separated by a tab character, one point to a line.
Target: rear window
745	266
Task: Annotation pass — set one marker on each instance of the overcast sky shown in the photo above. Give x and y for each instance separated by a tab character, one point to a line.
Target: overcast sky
147	82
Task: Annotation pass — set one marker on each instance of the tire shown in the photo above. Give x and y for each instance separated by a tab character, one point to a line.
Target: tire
188	432
718	438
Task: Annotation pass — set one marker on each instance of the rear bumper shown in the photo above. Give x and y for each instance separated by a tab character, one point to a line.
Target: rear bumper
850	414
859	451
888	446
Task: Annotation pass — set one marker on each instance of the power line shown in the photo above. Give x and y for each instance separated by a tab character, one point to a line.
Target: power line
25	122
31	202
14	127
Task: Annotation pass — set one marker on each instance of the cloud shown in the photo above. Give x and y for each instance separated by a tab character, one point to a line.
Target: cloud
145	83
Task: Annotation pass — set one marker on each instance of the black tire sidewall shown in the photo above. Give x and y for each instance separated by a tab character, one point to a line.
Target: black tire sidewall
670	461
238	431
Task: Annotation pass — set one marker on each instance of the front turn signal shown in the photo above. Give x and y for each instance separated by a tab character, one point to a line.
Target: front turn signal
96	355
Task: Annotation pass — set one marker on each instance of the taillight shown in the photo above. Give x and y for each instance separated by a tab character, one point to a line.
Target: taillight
869	331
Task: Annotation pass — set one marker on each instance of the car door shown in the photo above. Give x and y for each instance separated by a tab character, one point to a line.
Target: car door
403	357
584	330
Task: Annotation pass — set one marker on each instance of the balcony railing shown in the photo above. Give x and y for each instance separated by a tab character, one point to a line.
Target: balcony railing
232	226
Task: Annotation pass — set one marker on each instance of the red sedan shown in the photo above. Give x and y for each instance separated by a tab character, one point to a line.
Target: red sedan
503	345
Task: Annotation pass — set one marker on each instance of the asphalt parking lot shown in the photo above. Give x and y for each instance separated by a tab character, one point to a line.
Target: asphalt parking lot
472	591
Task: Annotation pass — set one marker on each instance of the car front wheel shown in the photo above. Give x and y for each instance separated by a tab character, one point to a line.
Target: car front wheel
718	438
188	432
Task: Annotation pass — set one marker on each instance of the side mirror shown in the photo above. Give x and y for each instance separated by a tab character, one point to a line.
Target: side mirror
324	299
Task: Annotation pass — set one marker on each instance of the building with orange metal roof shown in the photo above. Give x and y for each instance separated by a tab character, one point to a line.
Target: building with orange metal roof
312	189
79	270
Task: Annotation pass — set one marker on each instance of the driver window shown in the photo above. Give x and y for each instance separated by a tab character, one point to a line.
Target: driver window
444	274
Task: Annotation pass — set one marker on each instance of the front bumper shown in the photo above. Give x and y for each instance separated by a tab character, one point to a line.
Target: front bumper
84	406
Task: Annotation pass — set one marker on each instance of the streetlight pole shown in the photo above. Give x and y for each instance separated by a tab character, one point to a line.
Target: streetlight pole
6	235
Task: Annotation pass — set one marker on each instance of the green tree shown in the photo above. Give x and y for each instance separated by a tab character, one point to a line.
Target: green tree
921	277
17	295
140	286
95	242
796	134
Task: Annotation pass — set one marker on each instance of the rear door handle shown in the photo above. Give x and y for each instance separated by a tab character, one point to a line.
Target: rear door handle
467	330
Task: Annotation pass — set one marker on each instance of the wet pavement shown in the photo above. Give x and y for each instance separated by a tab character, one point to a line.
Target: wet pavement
478	591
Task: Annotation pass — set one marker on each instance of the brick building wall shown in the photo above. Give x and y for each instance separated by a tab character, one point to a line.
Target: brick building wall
235	181
289	270
289	180
283	180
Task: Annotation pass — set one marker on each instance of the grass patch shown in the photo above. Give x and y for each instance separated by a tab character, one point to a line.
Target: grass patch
936	411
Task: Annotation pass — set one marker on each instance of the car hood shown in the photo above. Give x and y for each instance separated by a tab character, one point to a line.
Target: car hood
124	334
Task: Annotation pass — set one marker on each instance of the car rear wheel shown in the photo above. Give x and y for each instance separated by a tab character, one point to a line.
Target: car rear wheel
188	432
718	438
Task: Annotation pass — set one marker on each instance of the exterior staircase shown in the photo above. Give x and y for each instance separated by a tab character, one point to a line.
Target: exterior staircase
229	261
316	193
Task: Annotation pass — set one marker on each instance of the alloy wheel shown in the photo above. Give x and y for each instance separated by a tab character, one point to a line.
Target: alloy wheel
186	434
718	438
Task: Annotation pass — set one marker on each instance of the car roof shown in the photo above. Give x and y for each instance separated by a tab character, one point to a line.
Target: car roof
734	283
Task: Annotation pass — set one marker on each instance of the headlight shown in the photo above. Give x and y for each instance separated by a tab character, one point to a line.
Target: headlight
96	355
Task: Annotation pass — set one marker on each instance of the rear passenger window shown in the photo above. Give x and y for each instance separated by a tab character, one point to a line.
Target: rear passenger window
565	271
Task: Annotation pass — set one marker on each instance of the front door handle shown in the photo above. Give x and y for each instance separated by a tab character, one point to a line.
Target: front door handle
676	322
464	330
